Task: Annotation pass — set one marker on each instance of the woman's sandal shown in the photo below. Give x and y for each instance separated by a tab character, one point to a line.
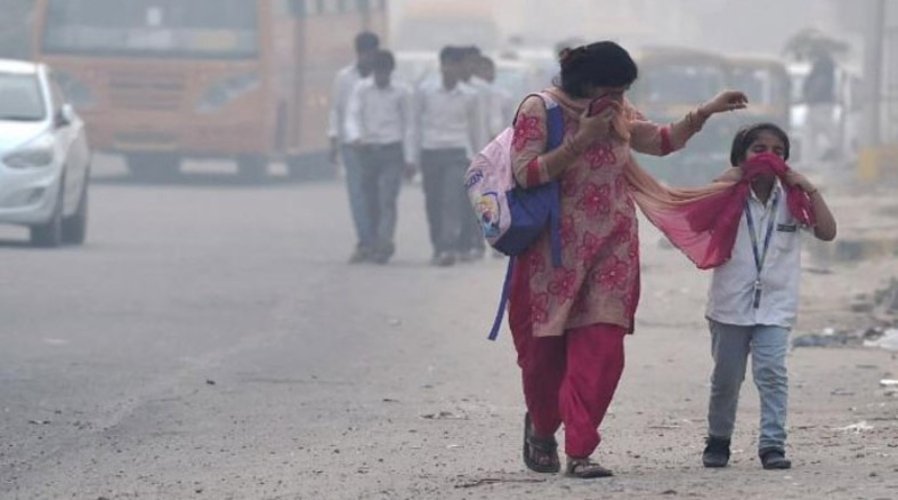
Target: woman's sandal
540	454
584	468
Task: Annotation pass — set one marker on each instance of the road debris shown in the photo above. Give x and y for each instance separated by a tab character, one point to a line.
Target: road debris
888	340
880	328
856	428
444	415
495	480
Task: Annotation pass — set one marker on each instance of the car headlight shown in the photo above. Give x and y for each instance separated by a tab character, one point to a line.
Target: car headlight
35	154
221	93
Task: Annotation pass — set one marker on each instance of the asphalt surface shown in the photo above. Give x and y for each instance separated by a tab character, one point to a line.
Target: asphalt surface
210	341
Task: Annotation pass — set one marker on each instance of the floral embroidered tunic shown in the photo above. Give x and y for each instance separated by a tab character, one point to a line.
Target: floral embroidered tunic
598	281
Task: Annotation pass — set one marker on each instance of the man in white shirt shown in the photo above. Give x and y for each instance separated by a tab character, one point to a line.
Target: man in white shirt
471	245
447	122
501	106
366	44
379	125
471	57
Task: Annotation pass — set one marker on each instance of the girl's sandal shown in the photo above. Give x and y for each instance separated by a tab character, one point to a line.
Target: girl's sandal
584	468
540	454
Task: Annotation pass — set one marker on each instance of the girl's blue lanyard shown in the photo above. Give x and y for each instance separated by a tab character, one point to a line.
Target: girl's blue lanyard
761	253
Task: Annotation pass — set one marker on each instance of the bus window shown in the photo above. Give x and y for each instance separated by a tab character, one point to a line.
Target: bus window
155	28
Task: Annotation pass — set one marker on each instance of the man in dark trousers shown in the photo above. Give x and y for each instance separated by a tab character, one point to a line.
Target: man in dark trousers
448	121
366	45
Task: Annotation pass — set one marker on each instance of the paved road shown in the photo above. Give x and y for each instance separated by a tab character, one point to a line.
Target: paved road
210	342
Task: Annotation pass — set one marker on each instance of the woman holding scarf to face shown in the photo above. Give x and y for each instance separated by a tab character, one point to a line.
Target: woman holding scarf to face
569	322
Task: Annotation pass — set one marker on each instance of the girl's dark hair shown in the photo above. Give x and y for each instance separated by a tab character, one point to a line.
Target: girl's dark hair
747	135
600	64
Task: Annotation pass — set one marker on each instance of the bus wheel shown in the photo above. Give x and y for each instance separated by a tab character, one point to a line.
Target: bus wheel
310	168
296	168
252	168
153	166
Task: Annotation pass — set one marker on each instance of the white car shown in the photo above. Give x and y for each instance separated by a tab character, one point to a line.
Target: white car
44	157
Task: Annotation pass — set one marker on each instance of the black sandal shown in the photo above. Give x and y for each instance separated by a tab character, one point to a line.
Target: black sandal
584	468
540	454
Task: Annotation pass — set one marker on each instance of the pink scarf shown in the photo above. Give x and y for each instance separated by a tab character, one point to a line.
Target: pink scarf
703	222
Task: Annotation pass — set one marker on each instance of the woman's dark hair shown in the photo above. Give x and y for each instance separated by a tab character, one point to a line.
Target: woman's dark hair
747	135
383	60
601	64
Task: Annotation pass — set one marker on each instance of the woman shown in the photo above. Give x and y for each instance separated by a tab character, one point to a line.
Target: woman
569	323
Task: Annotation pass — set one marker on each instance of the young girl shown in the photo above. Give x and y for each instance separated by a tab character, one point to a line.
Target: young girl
753	299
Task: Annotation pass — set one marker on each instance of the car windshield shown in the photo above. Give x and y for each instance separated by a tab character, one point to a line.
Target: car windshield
157	28
21	98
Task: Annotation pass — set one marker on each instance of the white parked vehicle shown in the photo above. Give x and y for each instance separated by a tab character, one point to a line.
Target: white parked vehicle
44	157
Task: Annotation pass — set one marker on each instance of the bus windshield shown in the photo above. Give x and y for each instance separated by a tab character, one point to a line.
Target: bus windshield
152	28
761	86
682	84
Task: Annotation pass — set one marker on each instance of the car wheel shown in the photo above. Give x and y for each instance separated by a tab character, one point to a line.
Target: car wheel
74	228
49	234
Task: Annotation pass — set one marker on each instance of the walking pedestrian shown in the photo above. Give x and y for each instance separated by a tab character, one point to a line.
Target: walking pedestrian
753	299
448	115
379	125
366	45
569	322
471	246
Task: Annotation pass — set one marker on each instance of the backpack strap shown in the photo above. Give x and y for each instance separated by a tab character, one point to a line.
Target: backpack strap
554	121
503	301
554	139
555	136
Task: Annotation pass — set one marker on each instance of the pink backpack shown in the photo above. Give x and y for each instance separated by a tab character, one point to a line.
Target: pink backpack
512	217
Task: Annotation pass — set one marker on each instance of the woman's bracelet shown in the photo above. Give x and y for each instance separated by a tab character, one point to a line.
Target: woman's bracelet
695	120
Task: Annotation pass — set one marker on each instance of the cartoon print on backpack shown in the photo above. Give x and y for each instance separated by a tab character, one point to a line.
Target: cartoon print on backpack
490	212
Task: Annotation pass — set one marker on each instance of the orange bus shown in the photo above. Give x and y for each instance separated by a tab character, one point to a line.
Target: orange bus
158	81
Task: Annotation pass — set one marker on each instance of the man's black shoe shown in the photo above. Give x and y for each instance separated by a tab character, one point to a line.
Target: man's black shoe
717	452
774	459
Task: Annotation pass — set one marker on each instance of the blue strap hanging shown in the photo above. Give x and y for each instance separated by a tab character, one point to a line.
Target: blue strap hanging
555	133
555	136
503	301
